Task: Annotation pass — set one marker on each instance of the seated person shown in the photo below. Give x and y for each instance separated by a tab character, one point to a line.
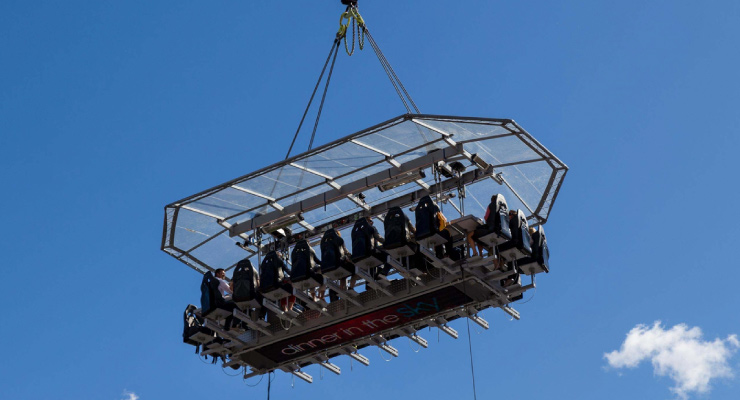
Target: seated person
225	287
495	220
398	228
211	299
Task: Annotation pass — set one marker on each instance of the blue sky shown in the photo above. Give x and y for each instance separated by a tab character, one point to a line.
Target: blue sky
110	110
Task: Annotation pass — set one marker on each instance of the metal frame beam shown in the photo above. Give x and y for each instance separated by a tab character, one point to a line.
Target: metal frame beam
355	187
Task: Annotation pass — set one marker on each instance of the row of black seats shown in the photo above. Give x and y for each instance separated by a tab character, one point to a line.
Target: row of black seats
506	231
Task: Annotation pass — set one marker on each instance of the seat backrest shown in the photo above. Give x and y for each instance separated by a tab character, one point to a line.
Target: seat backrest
520	231
427	219
539	248
210	297
396	232
362	239
302	261
245	281
498	215
331	249
272	272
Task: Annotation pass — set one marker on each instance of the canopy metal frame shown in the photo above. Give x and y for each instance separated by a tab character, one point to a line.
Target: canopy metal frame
325	183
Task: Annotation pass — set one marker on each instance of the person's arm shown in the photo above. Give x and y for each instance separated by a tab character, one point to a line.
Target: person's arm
488	212
377	236
315	257
411	227
223	287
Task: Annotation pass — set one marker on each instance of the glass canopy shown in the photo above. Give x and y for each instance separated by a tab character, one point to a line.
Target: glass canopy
204	230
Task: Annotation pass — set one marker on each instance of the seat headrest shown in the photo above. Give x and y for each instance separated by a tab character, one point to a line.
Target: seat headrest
523	218
331	234
244	265
427	199
500	202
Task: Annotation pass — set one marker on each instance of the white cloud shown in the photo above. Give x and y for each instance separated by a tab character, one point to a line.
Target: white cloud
130	395
679	353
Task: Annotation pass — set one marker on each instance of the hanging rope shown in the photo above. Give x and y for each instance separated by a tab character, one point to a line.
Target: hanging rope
269	382
470	343
258	382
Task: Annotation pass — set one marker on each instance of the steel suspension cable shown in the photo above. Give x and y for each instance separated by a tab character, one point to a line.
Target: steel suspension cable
352	15
334	45
390	72
376	49
323	96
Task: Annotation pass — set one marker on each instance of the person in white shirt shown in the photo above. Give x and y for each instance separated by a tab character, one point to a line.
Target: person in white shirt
224	286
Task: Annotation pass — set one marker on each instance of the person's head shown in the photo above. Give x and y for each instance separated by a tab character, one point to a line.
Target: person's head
220	273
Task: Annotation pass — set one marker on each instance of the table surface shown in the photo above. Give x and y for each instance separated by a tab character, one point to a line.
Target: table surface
467	223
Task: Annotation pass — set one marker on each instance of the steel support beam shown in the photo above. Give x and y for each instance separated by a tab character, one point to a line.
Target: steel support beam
355	187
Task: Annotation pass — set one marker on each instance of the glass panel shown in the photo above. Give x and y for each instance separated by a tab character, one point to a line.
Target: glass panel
529	181
193	228
400	138
216	205
502	150
234	196
363	173
282	182
220	252
333	211
341	160
462	131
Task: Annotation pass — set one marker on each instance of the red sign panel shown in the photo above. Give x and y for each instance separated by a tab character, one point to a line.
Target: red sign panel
356	328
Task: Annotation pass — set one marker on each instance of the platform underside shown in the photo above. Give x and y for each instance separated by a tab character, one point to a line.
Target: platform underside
373	318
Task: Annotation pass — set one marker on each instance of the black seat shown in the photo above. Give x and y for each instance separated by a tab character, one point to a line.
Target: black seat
427	223
194	333
212	303
520	244
245	285
512	282
334	261
365	253
540	260
397	234
304	260
272	277
497	230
